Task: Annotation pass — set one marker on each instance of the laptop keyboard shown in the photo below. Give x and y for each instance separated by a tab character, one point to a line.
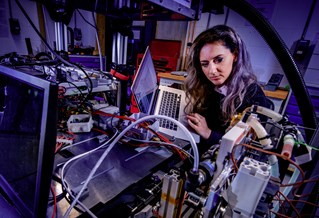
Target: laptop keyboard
170	105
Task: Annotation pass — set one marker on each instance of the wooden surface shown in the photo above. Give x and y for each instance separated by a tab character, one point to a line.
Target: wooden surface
170	76
279	93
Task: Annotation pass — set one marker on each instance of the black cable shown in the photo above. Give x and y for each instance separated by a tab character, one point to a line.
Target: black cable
226	16
308	19
10	8
78	88
88	77
86	19
39	34
75	26
208	21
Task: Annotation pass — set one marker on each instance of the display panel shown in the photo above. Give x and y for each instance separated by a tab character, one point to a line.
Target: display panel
28	120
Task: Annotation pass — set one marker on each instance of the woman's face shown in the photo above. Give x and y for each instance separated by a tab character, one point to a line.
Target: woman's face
217	62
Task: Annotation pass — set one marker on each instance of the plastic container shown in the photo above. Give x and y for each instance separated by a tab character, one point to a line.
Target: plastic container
80	123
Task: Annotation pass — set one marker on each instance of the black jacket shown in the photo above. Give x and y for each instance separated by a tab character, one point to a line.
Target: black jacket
213	114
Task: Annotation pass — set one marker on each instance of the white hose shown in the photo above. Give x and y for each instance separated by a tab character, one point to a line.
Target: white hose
269	113
289	143
260	131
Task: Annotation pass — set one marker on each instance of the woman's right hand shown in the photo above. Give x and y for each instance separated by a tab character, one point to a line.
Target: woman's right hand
199	124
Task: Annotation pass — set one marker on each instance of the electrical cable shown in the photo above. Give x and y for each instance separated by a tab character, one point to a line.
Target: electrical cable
10	8
98	112
77	143
226	16
163	138
88	77
271	153
46	43
90	87
144	126
308	128
78	88
161	143
280	215
313	4
75	23
40	35
305	195
306	202
58	197
96	36
92	25
106	152
290	203
54	202
73	159
47	36
281	203
305	144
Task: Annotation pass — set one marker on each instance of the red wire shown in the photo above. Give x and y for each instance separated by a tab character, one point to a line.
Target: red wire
290	203
113	115
279	214
101	131
54	201
58	146
143	125
72	134
169	142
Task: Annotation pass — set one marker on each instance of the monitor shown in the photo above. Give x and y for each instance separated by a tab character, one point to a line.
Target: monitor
28	119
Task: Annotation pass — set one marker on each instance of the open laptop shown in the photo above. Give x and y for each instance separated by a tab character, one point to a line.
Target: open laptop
154	99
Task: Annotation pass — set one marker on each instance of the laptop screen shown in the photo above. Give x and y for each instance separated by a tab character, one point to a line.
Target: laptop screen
145	84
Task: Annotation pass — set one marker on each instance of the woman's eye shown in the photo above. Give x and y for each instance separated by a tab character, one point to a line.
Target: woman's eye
204	64
218	60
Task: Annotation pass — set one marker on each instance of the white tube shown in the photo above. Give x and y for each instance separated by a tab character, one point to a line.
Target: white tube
260	131
269	113
289	142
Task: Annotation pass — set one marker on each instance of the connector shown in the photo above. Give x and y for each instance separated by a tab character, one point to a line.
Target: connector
192	181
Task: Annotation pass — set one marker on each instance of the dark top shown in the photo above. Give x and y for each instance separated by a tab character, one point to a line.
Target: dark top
254	96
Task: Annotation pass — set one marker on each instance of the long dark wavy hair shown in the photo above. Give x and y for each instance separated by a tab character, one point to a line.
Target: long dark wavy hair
197	85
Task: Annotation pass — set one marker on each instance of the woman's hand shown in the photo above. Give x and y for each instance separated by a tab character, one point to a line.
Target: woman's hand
199	124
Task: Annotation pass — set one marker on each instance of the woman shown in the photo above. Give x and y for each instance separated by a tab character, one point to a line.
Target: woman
220	82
